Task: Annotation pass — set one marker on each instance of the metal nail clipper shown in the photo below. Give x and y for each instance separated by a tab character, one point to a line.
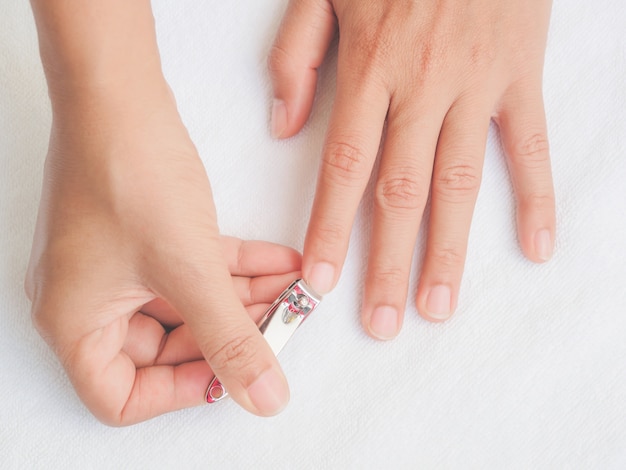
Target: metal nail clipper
278	324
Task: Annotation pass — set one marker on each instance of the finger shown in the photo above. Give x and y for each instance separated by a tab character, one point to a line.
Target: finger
163	313
230	341
148	343
349	153
299	49
117	393
180	346
251	291
245	258
456	179
524	136
161	389
258	258
400	196
262	289
145	339
101	373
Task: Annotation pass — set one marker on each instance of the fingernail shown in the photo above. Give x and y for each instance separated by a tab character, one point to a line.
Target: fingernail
543	244
322	278
269	393
279	118
384	322
438	302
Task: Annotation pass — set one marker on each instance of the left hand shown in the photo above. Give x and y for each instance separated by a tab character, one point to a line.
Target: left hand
435	73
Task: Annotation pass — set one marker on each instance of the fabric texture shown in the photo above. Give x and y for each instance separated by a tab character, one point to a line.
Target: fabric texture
529	373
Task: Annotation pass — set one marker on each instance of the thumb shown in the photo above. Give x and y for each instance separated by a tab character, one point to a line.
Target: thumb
299	49
230	341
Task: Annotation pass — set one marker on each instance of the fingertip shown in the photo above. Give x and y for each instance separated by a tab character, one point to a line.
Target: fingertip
254	258
543	245
256	382
321	277
269	392
383	323
436	303
279	119
294	93
539	247
536	230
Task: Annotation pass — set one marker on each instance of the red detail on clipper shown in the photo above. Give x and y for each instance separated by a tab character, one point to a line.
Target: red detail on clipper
215	392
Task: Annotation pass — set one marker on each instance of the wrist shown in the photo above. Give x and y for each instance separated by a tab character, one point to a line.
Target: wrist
101	53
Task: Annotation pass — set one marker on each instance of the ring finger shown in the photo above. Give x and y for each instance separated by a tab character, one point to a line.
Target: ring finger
455	183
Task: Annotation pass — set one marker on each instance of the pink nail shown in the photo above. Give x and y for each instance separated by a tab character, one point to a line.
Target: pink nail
438	302
543	244
384	322
269	393
279	118
322	278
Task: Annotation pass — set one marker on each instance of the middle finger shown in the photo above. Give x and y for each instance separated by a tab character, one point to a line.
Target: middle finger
401	193
455	183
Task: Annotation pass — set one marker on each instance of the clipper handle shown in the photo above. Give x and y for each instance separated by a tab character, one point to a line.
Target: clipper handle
278	324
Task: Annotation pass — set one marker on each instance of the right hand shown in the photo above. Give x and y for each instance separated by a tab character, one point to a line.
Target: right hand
417	86
132	285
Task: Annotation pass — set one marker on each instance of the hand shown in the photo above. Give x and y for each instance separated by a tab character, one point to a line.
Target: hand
432	74
131	284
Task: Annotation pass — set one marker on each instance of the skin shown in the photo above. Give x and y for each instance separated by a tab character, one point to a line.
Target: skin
131	284
419	80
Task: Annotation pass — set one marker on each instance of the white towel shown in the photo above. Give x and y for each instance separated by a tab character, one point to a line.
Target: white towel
529	373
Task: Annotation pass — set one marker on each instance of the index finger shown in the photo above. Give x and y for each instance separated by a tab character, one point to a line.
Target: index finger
117	392
352	143
253	258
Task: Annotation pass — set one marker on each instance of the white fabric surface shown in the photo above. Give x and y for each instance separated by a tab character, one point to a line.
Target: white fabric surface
530	372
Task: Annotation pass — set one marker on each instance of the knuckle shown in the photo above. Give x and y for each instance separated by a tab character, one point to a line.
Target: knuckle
389	278
537	202
447	258
429	56
344	163
532	151
278	59
399	192
482	52
372	44
370	60
330	234
457	180
237	353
